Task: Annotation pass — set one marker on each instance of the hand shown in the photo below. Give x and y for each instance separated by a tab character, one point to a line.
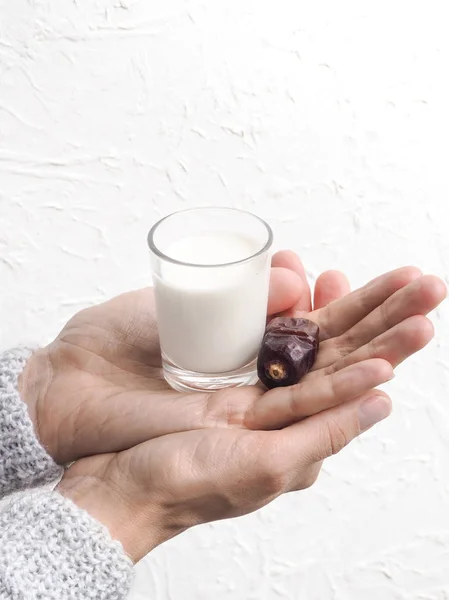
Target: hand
99	386
382	322
216	467
151	493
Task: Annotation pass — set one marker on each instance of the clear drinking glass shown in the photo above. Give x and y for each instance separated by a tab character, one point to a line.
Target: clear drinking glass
211	271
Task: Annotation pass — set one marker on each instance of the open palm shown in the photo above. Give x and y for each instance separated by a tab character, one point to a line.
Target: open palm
105	391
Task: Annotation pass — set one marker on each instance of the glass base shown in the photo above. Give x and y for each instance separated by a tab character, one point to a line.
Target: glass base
190	381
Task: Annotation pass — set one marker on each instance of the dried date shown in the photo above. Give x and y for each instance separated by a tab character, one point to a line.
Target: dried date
288	352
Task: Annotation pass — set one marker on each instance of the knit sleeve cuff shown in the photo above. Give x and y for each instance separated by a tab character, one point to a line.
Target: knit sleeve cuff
50	548
23	461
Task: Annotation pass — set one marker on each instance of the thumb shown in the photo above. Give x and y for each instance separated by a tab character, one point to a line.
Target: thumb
328	432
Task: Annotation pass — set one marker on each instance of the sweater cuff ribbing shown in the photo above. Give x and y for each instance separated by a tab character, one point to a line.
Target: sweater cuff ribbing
57	551
23	461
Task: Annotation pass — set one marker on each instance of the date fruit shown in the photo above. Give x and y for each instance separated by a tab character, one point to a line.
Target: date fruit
288	352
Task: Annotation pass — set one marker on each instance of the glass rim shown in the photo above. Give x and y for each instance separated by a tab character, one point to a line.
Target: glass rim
155	250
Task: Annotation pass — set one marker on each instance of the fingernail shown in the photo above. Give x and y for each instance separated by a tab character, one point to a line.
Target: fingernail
372	411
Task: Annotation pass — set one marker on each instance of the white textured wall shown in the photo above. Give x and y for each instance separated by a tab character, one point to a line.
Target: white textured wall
330	118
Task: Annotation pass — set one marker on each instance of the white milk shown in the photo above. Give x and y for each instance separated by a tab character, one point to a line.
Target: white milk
212	320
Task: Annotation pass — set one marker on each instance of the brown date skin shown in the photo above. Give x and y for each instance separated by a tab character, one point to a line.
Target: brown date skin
288	352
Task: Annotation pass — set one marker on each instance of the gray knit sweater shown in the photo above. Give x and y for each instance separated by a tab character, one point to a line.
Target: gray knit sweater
49	548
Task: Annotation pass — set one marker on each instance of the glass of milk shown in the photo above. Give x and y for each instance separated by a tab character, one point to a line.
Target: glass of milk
211	272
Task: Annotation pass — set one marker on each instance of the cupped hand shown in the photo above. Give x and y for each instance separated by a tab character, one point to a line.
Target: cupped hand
99	386
150	493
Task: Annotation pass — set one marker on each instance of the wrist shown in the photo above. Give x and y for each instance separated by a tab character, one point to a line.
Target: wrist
139	532
33	384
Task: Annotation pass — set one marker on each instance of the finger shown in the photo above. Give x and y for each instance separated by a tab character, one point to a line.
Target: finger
327	433
330	286
286	287
418	298
289	260
395	345
282	406
341	315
